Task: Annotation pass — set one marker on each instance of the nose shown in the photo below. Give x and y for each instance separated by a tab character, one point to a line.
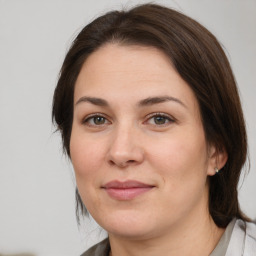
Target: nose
126	148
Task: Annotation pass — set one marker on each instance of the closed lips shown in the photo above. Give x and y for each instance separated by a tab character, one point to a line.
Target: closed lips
127	190
126	184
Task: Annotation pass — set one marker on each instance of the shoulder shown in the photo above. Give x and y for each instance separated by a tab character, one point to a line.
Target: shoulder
100	249
243	239
251	230
250	240
246	228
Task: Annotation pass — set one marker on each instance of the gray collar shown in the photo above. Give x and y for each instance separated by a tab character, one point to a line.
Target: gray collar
222	246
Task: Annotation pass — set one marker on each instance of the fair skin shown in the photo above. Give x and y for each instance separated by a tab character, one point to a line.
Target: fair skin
137	121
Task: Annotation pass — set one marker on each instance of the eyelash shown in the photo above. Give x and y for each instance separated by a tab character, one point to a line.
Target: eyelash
167	119
92	117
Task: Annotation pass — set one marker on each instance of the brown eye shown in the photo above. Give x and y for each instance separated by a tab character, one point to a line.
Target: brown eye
160	120
96	120
99	120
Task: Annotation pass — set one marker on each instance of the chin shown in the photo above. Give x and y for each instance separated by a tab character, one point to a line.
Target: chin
132	233
129	225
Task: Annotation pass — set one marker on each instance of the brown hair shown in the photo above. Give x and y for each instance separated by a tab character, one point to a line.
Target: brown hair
200	61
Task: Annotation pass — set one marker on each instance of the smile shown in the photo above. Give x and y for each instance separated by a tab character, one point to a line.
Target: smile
128	190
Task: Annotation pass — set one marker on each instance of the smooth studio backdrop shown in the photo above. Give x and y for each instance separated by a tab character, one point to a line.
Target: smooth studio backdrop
37	207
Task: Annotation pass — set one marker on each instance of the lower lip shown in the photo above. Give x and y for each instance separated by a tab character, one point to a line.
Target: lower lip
125	194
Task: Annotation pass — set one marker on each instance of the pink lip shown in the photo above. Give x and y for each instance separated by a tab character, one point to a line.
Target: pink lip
127	190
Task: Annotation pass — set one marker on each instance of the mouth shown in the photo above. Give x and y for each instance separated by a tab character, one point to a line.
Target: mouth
127	190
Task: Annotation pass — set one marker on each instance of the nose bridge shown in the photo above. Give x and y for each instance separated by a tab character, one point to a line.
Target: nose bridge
125	148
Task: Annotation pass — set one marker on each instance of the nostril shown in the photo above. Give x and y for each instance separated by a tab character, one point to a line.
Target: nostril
121	164
111	162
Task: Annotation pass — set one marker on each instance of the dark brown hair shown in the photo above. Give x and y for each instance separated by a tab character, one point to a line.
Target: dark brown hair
201	62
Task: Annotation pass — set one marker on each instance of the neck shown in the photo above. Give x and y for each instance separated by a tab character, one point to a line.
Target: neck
190	238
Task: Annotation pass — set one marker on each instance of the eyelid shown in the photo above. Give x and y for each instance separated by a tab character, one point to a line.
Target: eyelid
93	115
167	116
86	119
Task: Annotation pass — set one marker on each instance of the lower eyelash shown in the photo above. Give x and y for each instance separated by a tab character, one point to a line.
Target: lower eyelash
161	115
85	120
167	119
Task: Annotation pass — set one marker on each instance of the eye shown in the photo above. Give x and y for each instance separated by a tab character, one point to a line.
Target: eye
159	119
96	120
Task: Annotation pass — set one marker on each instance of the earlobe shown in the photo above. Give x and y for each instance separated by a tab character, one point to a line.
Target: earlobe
217	160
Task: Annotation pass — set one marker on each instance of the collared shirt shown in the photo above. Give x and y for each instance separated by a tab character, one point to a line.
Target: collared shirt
239	239
100	249
222	245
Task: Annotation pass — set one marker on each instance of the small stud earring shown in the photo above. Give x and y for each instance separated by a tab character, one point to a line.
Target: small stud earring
216	169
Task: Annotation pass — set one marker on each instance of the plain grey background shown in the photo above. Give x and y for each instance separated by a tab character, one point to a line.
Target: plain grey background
37	208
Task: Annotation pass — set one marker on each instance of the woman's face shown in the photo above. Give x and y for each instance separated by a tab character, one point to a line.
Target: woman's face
137	144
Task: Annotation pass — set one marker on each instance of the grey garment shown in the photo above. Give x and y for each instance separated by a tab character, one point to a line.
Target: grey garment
222	245
100	249
243	239
239	239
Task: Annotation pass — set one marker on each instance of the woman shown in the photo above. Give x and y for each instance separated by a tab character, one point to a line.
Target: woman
151	119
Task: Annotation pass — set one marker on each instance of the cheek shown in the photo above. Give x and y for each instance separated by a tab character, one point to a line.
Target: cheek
182	165
182	162
86	156
179	152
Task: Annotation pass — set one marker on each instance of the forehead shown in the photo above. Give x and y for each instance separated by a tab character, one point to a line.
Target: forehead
130	70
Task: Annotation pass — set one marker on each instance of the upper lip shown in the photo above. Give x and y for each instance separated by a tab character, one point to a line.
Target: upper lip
126	184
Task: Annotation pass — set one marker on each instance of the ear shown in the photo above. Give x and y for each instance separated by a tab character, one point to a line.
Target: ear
217	159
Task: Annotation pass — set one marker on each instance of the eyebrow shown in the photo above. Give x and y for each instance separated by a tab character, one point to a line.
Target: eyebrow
94	101
145	102
156	100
